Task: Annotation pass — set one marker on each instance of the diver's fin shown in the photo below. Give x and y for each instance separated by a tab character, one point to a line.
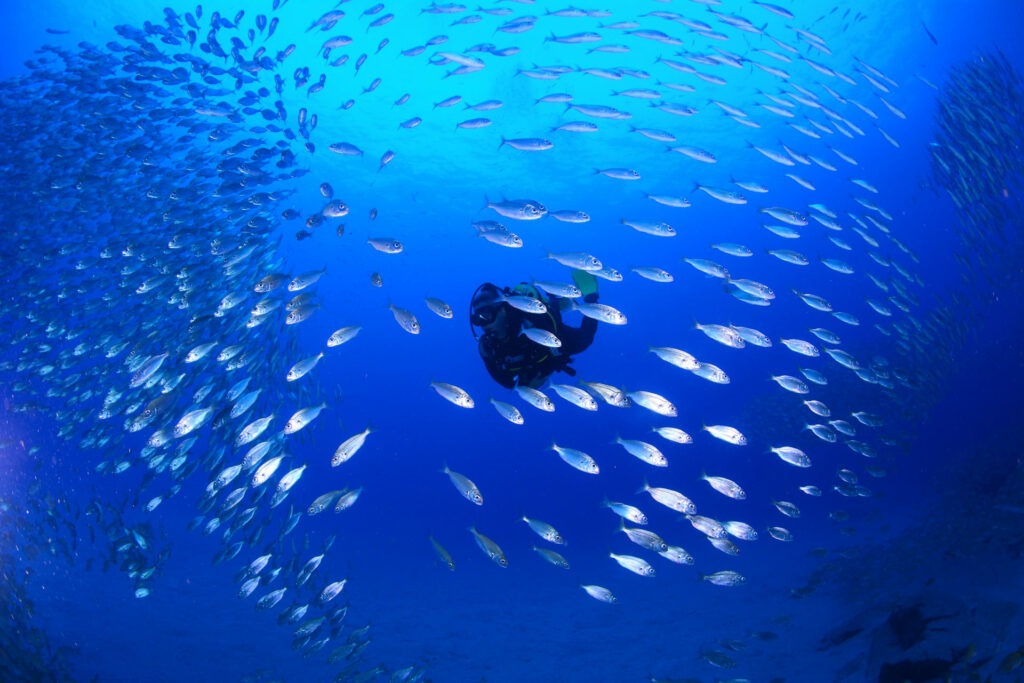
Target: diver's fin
586	282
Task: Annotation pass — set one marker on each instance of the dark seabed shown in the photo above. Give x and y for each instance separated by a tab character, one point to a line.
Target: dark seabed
240	250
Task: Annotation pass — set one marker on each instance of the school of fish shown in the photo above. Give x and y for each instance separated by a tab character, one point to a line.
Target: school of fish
152	316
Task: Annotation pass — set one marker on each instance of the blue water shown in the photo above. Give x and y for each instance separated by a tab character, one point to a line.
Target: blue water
941	528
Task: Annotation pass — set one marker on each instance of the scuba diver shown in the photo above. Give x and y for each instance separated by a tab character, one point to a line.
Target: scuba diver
522	338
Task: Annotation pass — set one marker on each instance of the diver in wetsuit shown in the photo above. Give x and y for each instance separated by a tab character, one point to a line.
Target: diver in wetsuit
510	350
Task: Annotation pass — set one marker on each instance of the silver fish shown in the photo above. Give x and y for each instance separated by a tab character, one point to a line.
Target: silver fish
578	459
465	486
489	548
405	319
349	447
453	394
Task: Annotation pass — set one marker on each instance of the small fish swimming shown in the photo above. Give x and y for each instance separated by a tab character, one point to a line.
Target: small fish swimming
708	267
290	478
644	451
578	459
673	434
676	357
508	411
405	319
252	431
453	394
727	487
387	245
626	511
727	434
439	307
349	447
489	548
544	530
518	209
303	367
637	565
302	418
442	554
536	398
575	395
266	471
723	334
552	557
790	383
654	402
802	347
740	530
794	456
347	499
300	282
322	502
578	260
643	538
599	593
342	335
712	373
600	312
465	486
671	499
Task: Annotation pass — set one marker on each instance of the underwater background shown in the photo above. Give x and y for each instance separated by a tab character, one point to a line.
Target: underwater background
198	201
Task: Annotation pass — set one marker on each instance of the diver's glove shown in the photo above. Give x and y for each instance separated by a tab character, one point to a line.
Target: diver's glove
587	284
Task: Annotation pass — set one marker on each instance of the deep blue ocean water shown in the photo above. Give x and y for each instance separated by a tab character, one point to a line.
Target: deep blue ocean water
924	572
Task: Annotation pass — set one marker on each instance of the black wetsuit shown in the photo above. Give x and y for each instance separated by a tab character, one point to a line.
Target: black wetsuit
513	359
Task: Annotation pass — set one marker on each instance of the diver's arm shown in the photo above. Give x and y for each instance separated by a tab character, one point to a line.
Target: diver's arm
576	339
